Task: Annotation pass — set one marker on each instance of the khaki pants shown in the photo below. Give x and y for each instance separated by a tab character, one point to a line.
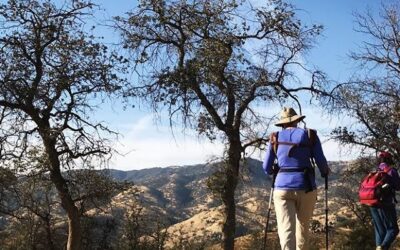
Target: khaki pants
293	212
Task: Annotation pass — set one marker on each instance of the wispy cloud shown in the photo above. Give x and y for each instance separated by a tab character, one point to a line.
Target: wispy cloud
146	145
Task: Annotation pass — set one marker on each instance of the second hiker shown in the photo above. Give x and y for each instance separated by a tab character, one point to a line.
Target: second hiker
295	189
384	215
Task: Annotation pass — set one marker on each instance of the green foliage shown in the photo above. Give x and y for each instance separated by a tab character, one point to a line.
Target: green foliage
32	232
256	241
98	232
359	235
215	182
139	229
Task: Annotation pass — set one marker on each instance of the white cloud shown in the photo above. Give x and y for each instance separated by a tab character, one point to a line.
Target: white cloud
146	145
335	152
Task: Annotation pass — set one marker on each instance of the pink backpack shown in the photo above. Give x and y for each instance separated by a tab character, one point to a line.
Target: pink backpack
372	187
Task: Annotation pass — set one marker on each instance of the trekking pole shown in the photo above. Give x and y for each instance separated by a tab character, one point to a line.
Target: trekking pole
326	212
269	208
326	204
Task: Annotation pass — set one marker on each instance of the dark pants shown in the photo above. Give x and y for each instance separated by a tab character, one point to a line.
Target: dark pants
385	224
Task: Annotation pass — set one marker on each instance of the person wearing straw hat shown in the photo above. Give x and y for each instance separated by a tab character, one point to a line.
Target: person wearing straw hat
296	150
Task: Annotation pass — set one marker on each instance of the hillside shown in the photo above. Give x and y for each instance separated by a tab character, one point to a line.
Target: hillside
193	213
183	192
174	207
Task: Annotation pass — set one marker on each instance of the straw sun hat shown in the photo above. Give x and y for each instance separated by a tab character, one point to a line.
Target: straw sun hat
288	115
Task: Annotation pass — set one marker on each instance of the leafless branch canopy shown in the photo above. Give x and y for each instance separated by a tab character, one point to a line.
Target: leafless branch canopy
212	63
52	75
372	96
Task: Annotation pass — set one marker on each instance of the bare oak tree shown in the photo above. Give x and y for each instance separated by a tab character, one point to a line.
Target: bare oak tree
372	96
52	75
212	63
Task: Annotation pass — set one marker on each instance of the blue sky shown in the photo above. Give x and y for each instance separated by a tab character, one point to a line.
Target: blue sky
339	37
147	142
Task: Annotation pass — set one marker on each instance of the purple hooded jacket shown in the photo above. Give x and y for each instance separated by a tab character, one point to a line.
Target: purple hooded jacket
393	181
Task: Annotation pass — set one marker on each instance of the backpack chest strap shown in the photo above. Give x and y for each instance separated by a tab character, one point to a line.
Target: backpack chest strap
312	136
294	145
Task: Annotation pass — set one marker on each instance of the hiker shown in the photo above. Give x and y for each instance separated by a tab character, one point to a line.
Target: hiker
384	215
295	192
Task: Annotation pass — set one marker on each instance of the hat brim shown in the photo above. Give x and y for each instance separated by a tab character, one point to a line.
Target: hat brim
287	120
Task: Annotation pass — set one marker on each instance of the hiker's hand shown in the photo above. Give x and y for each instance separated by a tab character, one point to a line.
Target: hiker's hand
328	172
275	169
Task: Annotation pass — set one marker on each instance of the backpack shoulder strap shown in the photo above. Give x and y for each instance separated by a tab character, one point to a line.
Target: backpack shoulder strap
273	138
312	136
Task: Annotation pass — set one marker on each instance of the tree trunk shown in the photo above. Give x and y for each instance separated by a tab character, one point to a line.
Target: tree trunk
228	195
74	224
49	234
